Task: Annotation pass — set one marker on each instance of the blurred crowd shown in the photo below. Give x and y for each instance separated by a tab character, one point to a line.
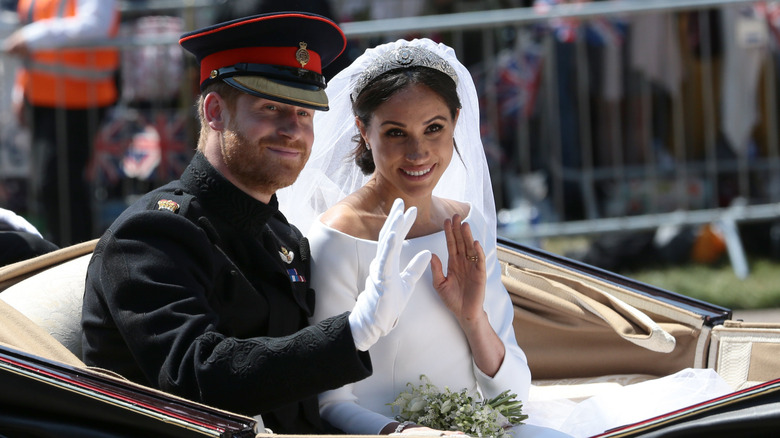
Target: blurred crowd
71	166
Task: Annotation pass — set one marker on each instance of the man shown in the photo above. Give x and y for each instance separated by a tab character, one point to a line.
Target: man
201	287
62	93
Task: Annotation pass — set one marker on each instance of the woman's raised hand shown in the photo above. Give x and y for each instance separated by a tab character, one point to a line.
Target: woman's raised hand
463	288
463	292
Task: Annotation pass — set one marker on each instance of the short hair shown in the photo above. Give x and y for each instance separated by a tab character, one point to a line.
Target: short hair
383	88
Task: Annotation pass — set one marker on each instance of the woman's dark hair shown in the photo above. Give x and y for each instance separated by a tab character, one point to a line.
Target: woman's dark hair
381	89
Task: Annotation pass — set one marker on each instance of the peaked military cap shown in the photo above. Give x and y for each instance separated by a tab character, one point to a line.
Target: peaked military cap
278	56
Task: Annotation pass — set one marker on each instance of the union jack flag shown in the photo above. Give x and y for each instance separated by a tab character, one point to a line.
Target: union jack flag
175	153
598	31
146	145
105	167
564	28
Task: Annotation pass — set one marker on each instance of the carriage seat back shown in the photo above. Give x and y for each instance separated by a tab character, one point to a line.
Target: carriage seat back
53	300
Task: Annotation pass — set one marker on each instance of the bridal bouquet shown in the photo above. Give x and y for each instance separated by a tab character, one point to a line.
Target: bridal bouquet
427	406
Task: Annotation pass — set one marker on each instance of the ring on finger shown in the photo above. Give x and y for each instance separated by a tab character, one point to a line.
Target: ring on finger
473	258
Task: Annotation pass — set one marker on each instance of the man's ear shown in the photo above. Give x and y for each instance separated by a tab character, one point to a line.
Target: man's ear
215	111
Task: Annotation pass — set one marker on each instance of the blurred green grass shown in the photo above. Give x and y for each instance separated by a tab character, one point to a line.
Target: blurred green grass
716	284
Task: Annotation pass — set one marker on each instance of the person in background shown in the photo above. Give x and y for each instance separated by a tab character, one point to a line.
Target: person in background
202	288
62	93
19	239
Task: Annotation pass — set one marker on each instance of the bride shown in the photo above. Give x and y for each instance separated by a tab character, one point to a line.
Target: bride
414	137
404	124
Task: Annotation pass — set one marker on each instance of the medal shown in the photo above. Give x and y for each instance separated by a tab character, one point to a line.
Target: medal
286	255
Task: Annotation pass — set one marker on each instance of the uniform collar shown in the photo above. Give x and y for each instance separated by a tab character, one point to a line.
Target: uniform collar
221	197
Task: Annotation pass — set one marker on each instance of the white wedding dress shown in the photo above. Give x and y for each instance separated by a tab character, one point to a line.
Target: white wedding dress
427	339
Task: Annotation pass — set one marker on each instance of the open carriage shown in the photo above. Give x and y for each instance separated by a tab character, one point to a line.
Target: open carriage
583	329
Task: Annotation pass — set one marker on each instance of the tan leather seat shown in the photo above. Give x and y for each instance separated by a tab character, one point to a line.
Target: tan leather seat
53	300
49	290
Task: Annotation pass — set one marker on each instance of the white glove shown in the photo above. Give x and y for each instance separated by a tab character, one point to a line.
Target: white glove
387	288
12	221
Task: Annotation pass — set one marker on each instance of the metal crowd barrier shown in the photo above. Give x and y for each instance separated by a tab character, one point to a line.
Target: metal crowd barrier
596	117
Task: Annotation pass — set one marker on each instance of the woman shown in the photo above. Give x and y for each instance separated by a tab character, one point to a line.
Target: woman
417	139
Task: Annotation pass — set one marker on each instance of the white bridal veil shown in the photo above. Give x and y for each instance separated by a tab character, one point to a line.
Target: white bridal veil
331	174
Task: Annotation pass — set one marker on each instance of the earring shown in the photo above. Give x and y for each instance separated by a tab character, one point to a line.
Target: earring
368	146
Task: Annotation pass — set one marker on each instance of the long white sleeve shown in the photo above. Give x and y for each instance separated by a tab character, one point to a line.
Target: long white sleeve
93	19
514	373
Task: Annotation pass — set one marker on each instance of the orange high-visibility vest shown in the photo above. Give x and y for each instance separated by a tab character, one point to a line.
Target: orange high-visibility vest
70	78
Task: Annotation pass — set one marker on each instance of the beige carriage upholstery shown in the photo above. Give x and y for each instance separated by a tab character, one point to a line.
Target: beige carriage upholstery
18	332
49	290
52	299
576	326
745	353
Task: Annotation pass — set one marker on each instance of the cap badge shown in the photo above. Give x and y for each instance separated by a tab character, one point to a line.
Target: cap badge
167	204
286	255
302	55
213	74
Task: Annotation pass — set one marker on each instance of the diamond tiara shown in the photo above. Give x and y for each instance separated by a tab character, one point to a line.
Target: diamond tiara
402	57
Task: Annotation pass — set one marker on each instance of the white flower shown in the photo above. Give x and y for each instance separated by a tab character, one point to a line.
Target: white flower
446	410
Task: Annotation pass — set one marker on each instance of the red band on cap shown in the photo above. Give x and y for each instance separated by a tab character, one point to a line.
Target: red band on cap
284	56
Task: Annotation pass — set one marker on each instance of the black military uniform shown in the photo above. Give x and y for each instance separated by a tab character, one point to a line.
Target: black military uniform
203	291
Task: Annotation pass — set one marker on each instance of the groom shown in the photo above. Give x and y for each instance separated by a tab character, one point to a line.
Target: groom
201	288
